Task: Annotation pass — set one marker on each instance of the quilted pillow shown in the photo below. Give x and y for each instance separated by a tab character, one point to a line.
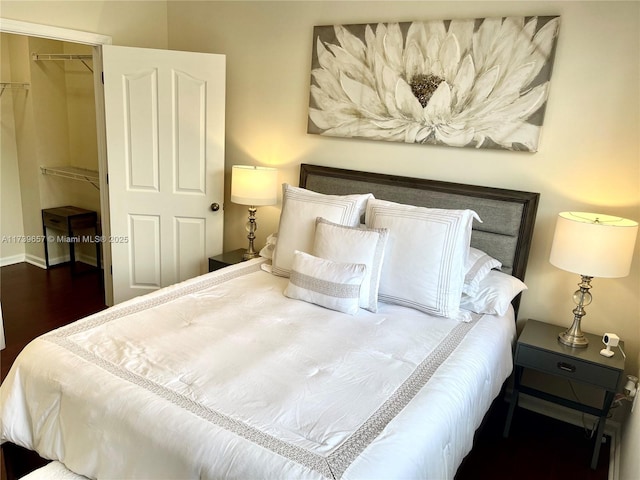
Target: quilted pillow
477	266
326	283
300	208
424	264
354	245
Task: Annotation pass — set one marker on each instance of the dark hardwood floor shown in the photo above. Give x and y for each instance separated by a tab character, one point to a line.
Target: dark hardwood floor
35	301
538	448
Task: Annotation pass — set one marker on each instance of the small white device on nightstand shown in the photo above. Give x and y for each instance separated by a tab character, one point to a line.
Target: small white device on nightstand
610	340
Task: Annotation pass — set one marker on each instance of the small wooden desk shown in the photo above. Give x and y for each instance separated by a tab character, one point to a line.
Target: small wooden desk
70	220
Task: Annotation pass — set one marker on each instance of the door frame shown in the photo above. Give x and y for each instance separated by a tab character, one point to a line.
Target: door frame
95	40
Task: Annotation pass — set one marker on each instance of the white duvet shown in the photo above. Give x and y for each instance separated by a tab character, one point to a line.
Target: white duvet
222	376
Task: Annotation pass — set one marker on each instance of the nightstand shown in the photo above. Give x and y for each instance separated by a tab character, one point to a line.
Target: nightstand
226	259
538	349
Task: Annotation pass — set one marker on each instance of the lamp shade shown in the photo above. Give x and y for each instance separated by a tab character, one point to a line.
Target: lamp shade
254	185
593	245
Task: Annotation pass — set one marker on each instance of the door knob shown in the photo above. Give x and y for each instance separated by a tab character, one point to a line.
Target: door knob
215	207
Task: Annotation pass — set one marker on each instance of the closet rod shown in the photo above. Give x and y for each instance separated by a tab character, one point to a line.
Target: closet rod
13	86
62	56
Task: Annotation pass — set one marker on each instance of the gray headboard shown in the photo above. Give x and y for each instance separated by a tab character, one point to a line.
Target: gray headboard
508	216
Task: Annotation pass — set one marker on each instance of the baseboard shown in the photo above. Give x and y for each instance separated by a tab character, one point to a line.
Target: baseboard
12	260
88	259
40	262
37	261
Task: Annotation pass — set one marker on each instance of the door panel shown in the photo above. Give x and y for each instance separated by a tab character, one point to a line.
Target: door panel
144	244
141	130
165	145
190	128
190	237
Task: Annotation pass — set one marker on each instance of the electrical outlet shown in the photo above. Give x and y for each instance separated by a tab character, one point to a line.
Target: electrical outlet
631	387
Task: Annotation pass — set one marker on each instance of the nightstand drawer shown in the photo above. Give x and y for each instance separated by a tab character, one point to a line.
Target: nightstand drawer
568	367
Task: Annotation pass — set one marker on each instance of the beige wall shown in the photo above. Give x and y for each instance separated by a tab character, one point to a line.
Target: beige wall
588	157
131	23
589	152
10	210
25	133
82	134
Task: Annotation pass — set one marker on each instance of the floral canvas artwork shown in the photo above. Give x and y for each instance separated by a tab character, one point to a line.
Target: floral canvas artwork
480	83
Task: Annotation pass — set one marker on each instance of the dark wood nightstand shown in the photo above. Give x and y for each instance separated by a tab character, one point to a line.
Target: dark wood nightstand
226	259
538	349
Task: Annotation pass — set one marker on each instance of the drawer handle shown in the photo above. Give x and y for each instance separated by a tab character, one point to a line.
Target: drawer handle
53	220
566	367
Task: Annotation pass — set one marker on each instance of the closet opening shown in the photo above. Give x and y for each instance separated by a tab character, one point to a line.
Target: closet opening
50	156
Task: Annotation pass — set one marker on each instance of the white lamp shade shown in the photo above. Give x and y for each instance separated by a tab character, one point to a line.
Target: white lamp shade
593	245
254	185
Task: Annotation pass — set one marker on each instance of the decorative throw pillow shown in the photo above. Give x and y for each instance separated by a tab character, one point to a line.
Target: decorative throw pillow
425	256
354	245
297	228
326	283
477	266
495	293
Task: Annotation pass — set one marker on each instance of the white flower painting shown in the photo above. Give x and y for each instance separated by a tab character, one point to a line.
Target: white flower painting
480	83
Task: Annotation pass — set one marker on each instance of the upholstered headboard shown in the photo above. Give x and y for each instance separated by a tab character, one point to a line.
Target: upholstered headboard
508	216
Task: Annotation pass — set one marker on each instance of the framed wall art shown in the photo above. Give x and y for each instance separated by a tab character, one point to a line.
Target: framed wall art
479	83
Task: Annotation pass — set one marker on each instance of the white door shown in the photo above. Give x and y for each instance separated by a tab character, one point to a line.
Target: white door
165	152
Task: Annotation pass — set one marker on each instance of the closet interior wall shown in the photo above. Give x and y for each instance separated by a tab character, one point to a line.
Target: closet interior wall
51	123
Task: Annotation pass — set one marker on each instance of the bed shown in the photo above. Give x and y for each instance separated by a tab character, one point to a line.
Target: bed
303	364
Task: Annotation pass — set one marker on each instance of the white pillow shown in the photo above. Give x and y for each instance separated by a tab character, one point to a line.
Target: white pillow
300	208
495	293
267	250
477	266
326	283
354	245
425	256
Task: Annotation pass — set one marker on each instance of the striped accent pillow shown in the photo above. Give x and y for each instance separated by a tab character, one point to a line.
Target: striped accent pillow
330	284
355	245
478	265
424	265
297	228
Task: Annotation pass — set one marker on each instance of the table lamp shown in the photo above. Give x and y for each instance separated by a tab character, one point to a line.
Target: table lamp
591	245
253	186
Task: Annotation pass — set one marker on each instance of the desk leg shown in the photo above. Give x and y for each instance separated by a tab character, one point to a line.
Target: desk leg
514	400
98	259
72	249
608	400
46	246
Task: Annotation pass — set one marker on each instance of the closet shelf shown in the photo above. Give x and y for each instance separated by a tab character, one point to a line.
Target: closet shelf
59	56
13	86
74	173
62	56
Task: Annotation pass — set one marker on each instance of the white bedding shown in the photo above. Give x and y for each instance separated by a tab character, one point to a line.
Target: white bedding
222	376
